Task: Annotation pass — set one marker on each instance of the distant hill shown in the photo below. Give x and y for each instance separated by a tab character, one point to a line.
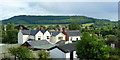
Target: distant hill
27	19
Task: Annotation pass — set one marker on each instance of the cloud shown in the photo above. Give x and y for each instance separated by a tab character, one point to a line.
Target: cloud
65	0
9	8
14	7
105	10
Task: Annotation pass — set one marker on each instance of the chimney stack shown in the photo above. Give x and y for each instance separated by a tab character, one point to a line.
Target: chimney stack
64	29
21	28
41	28
66	34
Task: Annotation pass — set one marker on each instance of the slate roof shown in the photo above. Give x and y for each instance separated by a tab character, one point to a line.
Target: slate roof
66	47
61	42
31	32
73	33
54	33
25	32
47	46
39	44
43	31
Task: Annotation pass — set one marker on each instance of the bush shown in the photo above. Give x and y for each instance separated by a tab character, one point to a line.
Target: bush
21	52
43	54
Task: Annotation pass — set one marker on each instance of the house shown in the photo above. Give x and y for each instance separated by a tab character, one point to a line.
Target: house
21	27
51	36
29	35
23	36
56	36
57	51
63	51
73	35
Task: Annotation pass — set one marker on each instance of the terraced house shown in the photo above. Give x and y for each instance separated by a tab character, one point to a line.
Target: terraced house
51	36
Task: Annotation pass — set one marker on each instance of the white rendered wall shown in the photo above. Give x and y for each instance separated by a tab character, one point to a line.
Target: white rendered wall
39	34
75	55
31	37
47	34
25	38
67	55
20	37
74	38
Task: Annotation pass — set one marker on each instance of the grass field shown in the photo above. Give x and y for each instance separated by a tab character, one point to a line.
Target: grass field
88	24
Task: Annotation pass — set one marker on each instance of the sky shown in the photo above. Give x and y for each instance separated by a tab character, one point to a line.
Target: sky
102	9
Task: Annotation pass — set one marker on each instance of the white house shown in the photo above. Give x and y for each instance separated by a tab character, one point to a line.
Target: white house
51	36
74	35
63	51
23	36
31	35
47	35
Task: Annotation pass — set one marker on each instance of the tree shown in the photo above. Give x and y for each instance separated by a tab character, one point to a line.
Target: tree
43	54
89	47
74	26
10	36
20	52
10	26
2	26
13	51
114	54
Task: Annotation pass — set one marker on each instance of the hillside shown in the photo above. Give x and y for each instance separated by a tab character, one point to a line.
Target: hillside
23	19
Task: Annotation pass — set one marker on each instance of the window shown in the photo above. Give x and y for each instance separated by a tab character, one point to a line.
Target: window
48	37
76	38
38	38
71	38
60	38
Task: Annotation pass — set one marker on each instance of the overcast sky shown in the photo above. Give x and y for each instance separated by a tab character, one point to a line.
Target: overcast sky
96	9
